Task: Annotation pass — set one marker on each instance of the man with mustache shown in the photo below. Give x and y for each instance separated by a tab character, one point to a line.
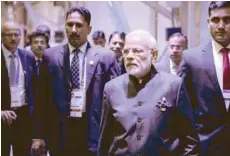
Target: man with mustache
75	75
39	42
143	110
206	70
16	97
176	45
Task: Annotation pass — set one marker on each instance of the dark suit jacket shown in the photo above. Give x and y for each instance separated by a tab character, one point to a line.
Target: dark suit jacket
212	118
132	124
163	65
27	61
58	88
122	67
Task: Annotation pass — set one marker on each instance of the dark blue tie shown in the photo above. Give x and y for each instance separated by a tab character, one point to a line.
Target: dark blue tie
38	63
75	70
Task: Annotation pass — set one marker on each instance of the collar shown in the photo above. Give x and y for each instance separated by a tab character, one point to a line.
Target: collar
173	65
119	59
145	79
217	47
7	53
36	58
81	48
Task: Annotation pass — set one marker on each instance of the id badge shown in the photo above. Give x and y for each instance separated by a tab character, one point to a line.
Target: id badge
15	93
226	95
76	104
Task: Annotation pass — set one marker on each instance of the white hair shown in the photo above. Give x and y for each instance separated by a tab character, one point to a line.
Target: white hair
144	35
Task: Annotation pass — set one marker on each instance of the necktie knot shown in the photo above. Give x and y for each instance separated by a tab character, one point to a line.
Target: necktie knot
12	56
38	62
76	51
224	50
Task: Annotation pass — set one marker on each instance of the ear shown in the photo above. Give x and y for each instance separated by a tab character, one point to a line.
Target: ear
154	53
208	20
90	28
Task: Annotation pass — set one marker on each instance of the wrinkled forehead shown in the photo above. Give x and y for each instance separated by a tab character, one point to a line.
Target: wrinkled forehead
10	27
180	40
136	41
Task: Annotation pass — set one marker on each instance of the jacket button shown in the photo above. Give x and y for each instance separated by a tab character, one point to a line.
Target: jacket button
140	103
139	119
138	137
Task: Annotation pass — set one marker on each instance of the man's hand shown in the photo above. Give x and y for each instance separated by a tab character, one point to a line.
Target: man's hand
8	116
38	147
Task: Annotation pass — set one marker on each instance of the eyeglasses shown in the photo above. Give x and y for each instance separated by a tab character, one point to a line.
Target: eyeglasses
136	51
12	34
178	47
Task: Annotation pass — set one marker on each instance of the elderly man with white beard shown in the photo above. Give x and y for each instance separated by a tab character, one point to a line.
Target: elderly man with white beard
146	112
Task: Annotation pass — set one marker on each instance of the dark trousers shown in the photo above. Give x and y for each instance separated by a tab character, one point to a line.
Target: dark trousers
18	134
72	137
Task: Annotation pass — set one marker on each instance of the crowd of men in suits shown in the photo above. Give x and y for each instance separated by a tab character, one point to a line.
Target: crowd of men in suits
81	99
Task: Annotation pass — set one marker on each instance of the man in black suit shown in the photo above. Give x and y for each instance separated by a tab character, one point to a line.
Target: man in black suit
176	45
17	100
39	42
146	112
206	70
76	73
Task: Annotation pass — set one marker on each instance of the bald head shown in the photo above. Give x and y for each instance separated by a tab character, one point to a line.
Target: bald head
139	53
11	35
10	25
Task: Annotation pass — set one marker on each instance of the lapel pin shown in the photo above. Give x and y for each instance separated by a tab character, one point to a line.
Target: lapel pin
91	63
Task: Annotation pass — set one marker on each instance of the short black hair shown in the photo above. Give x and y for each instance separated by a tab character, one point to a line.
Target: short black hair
218	4
98	34
81	10
119	33
37	34
179	34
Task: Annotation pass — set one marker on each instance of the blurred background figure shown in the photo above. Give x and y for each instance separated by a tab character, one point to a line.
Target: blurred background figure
99	38
45	29
116	44
39	42
177	44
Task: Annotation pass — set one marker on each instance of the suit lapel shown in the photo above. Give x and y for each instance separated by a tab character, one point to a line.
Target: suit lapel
24	66
91	63
210	66
64	62
23	60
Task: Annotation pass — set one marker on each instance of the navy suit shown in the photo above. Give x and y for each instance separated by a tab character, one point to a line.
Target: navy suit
19	133
212	117
101	67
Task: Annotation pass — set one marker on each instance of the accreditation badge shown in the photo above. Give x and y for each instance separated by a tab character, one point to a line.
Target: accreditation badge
226	95
16	100
76	104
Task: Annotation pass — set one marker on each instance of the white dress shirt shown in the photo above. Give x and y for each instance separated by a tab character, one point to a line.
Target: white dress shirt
21	82
173	67
218	62
80	55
